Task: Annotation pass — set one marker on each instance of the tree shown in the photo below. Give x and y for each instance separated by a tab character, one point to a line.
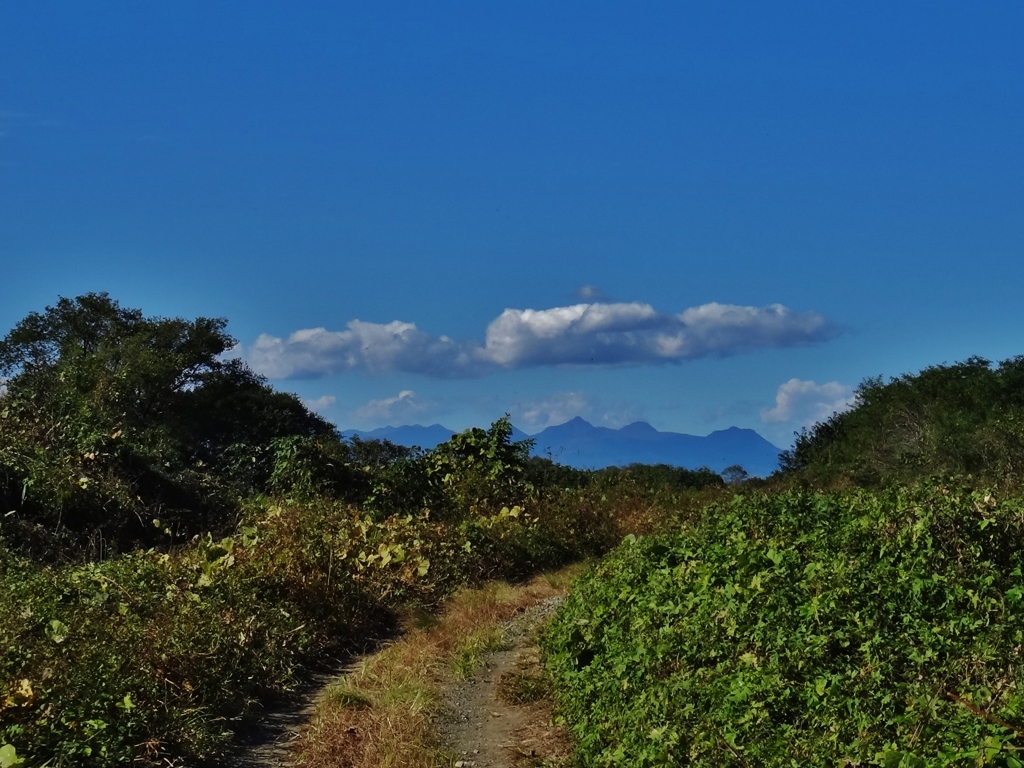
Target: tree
474	474
112	419
481	470
734	474
961	419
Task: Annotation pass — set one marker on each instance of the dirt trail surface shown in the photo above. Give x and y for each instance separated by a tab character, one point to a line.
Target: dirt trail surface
486	732
269	741
475	725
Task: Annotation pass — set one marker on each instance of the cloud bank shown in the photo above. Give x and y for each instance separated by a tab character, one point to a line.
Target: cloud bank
637	334
806	402
371	347
320	404
586	334
402	408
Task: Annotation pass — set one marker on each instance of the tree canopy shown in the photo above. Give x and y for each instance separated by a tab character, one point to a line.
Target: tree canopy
112	419
961	419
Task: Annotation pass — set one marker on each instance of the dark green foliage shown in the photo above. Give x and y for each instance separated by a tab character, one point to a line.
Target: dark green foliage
481	470
475	473
804	630
660	476
376	455
962	419
112	418
542	472
734	474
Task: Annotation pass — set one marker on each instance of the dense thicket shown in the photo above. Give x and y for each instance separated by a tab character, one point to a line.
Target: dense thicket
804	629
961	419
112	420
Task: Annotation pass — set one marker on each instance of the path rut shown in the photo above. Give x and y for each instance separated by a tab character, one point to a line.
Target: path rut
269	741
486	732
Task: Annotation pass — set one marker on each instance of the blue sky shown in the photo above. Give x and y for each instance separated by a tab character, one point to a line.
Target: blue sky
700	215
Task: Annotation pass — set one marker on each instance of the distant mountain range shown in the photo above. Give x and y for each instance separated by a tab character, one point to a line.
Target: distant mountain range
580	444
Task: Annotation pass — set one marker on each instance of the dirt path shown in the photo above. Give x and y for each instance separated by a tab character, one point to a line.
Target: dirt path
268	742
481	727
477	724
269	738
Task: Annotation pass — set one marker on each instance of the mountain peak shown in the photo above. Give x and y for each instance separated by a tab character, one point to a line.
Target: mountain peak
735	432
638	428
579	444
577	424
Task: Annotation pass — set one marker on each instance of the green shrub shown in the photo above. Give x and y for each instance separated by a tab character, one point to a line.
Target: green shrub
961	419
804	629
143	656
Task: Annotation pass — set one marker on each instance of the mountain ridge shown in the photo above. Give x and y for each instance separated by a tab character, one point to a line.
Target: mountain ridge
578	443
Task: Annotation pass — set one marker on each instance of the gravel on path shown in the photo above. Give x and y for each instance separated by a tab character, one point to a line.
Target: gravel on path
483	730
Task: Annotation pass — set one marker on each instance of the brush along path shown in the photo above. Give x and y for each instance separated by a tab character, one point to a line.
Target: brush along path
440	696
490	719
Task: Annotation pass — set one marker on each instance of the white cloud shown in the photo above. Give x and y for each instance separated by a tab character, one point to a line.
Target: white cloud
587	334
802	403
637	334
590	292
320	404
400	409
559	407
372	347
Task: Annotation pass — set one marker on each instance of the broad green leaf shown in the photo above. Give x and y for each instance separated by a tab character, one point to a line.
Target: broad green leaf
9	757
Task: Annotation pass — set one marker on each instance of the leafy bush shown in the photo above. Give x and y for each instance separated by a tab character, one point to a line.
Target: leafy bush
143	656
804	629
660	477
961	419
111	418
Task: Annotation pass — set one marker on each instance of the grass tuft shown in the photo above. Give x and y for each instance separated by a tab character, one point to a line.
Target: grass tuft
469	654
345	696
523	687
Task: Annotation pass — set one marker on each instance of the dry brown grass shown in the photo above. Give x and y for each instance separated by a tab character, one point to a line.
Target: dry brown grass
380	716
539	745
